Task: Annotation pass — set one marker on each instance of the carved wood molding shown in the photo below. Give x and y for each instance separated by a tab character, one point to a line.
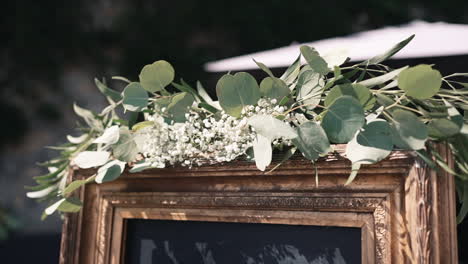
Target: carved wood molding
370	203
404	209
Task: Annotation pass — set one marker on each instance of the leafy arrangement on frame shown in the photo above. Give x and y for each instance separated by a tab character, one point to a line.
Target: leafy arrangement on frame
367	106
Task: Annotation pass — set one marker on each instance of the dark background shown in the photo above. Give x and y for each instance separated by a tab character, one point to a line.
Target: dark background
50	51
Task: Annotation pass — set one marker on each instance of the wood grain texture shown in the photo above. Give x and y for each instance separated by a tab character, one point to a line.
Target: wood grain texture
405	210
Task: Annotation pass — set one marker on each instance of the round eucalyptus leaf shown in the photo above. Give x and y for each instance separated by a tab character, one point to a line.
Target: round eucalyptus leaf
236	91
384	100
312	140
126	148
271	127
443	128
309	88
110	171
358	91
155	77
343	118
179	106
336	57
135	98
372	144
314	60
408	131
420	82
273	88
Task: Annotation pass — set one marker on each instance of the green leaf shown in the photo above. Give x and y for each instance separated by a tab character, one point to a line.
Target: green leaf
41	193
88	116
317	63
309	88
271	127
426	157
454	115
442	128
236	91
142	125
262	152
114	95
358	91
184	87
335	58
288	154
464	201
208	107
77	140
203	94
343	119
354	171
408	131
383	78
110	171
140	166
290	75
312	140
389	53
163	102
109	136
273	88
371	144
89	159
125	149
420	82
77	184
70	205
155	77
135	98
179	106
132	119
264	68
384	100
53	173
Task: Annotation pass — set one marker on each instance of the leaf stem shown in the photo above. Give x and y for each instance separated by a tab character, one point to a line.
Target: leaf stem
299	106
396	102
410	109
452	97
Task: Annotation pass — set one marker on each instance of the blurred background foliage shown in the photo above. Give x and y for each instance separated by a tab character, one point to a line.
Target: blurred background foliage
50	51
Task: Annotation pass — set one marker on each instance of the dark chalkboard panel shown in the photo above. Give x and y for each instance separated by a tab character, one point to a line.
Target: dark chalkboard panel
191	242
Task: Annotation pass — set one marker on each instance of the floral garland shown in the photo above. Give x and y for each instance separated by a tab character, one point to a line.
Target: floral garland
367	106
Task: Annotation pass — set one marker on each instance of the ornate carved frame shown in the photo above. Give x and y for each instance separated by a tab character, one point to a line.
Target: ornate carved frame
405	210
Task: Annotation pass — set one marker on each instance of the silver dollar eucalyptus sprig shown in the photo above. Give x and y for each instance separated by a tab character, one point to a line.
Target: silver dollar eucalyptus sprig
368	106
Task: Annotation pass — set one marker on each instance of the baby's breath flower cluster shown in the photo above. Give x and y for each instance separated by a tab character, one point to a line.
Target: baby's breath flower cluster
201	139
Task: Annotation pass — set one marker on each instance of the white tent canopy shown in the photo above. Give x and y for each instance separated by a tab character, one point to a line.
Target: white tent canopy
431	40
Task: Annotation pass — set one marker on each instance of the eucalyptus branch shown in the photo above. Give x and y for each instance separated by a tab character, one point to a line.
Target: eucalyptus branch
396	102
457	98
251	117
409	109
300	106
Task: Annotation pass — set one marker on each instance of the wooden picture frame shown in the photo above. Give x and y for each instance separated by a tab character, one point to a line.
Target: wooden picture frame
405	210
